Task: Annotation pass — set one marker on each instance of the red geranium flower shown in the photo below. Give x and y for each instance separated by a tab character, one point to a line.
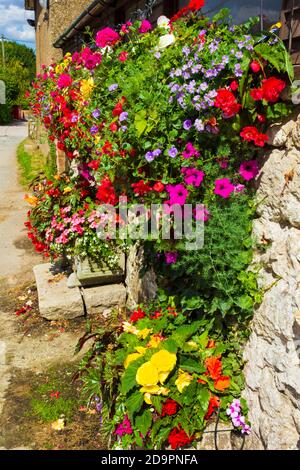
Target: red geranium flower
226	101
179	438
137	315
261	139
123	56
271	88
141	188
249	133
106	192
159	187
256	94
170	407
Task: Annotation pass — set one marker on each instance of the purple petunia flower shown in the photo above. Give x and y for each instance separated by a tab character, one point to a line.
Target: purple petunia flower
173	152
156	153
199	125
94	130
113	87
123	116
187	124
96	113
157	55
149	157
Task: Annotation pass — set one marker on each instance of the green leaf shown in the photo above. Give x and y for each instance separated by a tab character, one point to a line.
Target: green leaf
190	365
134	403
128	381
140	122
203	397
157	403
184	332
144	421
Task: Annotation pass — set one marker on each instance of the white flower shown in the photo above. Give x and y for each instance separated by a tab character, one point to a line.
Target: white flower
163	22
165	41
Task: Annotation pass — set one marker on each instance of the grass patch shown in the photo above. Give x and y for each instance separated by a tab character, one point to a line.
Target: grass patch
33	163
56	396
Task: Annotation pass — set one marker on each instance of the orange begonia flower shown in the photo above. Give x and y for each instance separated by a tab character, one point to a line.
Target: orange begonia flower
214	367
222	383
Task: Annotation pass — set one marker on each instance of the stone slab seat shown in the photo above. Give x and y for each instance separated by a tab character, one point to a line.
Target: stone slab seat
56	300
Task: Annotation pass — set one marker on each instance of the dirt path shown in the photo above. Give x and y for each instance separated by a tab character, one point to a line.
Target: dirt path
29	352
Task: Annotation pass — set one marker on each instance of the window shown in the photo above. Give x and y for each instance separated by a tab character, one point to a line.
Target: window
242	10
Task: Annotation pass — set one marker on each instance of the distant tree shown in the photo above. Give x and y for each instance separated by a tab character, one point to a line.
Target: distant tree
18	73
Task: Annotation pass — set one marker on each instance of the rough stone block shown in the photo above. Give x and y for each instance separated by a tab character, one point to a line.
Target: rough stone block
56	300
103	298
90	273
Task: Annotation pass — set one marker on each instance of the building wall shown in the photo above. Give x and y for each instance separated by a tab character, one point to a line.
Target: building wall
51	23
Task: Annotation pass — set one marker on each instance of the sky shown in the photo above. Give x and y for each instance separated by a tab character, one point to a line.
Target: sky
13	24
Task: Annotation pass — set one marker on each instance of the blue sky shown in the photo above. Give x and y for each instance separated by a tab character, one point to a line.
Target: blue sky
13	24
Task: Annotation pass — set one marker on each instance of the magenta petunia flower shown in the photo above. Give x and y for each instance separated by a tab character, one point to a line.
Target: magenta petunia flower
145	27
190	151
124	427
249	170
177	193
192	176
107	37
64	81
171	257
201	213
223	188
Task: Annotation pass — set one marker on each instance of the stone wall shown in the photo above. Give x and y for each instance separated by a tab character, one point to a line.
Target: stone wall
51	24
272	371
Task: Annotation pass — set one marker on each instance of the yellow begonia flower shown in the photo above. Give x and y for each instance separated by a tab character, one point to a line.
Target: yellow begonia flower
184	379
32	200
129	328
67	190
147	375
87	87
162	377
97	139
164	361
154	341
154	390
144	333
132	357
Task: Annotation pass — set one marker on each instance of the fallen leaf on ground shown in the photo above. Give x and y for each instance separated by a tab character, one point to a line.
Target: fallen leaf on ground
58	425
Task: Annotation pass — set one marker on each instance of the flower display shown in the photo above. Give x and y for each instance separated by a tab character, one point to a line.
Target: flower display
175	115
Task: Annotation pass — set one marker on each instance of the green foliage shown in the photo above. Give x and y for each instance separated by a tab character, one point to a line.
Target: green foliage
33	164
17	74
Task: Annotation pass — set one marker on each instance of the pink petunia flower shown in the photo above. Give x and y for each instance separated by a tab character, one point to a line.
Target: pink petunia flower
177	193
145	27
201	213
107	37
190	151
249	170
124	427
223	188
192	176
171	257
64	81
